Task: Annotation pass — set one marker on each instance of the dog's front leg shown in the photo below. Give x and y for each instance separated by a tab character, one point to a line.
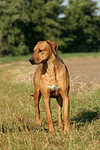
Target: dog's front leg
37	110
46	100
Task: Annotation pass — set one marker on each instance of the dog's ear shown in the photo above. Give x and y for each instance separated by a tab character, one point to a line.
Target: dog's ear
53	45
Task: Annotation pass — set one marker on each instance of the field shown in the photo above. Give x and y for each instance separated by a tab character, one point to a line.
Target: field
17	110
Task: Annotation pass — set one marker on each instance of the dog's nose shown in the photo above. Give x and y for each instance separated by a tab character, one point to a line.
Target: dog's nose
32	61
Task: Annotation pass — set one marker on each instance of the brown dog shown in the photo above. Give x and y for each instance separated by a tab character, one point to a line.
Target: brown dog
51	79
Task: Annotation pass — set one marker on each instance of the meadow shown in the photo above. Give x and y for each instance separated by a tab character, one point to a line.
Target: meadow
17	114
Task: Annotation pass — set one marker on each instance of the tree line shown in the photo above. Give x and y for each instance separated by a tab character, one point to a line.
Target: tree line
25	22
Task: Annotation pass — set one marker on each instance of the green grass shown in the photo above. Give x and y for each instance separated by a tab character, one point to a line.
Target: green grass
73	55
10	59
17	119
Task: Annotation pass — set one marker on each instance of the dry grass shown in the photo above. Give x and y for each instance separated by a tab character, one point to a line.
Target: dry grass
17	123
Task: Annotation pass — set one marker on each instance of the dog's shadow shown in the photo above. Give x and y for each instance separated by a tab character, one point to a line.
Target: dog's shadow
82	118
85	117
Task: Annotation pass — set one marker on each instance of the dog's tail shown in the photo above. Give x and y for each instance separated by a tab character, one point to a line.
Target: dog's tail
32	95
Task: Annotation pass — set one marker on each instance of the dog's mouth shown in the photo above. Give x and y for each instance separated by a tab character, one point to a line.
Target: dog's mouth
43	61
35	63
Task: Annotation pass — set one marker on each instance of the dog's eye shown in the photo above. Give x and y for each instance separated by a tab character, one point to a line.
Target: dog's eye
40	51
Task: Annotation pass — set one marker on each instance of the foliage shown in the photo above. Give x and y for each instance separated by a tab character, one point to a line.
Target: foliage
24	23
80	27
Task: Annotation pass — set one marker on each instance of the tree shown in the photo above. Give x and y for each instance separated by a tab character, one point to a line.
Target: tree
79	28
25	22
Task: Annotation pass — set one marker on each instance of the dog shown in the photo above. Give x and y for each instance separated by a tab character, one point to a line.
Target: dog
51	80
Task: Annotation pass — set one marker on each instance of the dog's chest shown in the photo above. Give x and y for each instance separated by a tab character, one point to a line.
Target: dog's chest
49	78
54	90
49	75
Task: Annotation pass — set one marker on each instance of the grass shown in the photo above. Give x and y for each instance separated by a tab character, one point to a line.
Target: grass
17	119
75	55
10	59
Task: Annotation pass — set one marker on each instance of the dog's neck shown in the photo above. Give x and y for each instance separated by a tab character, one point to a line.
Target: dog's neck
49	70
49	66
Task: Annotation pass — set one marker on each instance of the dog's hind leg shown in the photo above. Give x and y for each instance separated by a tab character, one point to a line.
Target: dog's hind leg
59	112
66	112
37	96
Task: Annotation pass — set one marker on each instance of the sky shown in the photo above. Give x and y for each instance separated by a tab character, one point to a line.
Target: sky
98	4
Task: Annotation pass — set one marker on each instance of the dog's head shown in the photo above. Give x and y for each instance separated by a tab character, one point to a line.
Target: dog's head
43	51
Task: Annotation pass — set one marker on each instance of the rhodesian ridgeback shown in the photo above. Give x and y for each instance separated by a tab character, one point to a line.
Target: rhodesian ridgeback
51	79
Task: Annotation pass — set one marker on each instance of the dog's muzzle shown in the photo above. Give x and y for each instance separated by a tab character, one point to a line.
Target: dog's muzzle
32	61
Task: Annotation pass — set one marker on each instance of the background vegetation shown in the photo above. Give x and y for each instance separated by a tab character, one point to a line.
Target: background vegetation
24	22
